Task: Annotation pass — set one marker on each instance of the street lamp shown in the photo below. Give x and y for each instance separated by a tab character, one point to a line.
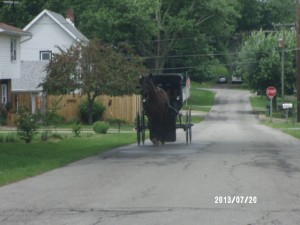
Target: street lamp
281	45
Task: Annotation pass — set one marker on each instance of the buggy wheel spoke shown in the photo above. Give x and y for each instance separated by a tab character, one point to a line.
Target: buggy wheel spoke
190	125
143	127
138	128
186	127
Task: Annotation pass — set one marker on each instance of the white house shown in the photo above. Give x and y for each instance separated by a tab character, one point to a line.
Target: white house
10	66
50	31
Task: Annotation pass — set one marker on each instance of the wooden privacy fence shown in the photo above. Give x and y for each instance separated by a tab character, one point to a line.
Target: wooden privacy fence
121	107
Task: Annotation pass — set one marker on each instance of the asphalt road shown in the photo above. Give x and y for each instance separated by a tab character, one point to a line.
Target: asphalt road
232	156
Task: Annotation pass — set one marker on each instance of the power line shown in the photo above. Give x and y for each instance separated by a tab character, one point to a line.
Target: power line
195	67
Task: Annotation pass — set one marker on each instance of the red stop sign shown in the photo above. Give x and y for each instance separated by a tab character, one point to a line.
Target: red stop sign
271	92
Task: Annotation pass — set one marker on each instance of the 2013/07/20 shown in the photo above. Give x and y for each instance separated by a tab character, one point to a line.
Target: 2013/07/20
235	199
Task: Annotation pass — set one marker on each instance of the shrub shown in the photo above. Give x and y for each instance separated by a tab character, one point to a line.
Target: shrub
8	106
10	138
97	111
52	118
26	125
100	127
118	122
56	136
45	135
3	117
76	128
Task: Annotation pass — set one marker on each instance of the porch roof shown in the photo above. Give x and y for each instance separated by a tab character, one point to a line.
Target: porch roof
10	30
32	74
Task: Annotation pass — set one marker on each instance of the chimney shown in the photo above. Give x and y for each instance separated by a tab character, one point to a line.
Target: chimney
70	17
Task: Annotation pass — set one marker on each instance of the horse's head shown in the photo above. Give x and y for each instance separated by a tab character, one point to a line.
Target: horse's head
147	86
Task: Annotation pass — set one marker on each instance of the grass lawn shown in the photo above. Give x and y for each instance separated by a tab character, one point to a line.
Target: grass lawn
209	84
20	160
279	121
290	128
295	133
201	100
259	102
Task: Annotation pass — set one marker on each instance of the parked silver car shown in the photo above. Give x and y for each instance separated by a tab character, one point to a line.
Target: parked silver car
222	80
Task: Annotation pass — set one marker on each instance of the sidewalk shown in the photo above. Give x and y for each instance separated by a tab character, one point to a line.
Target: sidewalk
5	129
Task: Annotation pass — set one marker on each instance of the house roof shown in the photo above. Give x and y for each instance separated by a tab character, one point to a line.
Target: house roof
62	22
32	74
10	30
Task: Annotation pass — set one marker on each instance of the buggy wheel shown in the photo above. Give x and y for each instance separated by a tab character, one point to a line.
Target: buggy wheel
143	128
186	128
138	128
190	125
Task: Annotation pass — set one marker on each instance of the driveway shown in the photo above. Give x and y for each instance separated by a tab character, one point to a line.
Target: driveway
236	171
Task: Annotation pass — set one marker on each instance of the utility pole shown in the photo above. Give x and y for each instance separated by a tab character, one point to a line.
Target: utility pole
281	44
298	59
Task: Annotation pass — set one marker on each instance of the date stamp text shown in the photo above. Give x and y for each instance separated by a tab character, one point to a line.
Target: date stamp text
235	199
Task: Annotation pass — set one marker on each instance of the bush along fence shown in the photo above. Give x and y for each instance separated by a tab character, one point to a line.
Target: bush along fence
68	106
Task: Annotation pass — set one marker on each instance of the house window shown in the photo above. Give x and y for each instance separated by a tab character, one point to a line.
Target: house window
13	49
45	55
4	93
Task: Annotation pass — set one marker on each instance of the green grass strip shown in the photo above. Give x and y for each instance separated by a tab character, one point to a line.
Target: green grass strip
20	160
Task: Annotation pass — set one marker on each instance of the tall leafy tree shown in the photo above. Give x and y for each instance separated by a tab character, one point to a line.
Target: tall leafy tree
22	12
157	28
93	68
277	11
257	14
179	20
260	61
171	35
251	15
199	46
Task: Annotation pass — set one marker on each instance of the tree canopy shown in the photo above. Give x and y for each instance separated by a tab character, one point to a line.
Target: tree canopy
191	36
259	60
93	68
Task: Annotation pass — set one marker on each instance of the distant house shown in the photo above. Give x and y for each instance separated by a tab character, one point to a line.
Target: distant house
10	64
50	31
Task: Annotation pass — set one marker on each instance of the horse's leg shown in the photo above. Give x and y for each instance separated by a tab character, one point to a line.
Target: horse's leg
162	134
159	133
150	124
154	130
162	129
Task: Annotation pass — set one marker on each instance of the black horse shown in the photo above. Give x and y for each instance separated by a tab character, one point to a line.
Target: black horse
156	104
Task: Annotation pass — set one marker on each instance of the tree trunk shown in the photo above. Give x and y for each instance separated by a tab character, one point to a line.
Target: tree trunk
90	112
90	108
91	99
159	65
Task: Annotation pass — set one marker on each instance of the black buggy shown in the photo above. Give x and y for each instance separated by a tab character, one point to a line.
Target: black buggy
163	117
